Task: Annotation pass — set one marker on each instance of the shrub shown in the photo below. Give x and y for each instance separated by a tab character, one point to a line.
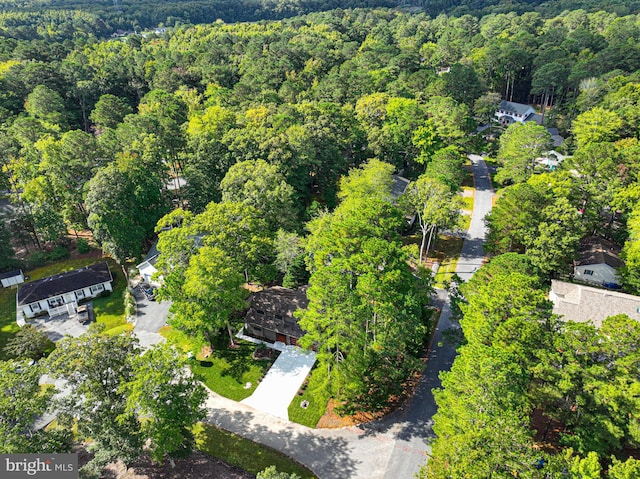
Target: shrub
83	246
57	253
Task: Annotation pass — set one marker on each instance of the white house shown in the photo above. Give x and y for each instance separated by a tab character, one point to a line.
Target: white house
580	303
147	268
510	112
598	263
60	294
12	278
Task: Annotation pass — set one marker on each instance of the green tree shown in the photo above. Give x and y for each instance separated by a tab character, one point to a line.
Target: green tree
46	104
109	111
272	473
22	401
169	408
372	179
125	199
597	125
262	186
96	367
212	291
628	469
28	343
520	146
435	206
447	166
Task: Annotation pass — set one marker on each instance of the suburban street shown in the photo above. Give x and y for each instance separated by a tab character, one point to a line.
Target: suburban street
396	446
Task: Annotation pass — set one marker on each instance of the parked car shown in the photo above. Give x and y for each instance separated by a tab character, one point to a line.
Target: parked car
84	315
150	293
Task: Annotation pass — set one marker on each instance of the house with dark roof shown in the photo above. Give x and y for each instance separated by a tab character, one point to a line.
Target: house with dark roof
598	262
61	293
511	112
271	315
12	278
580	303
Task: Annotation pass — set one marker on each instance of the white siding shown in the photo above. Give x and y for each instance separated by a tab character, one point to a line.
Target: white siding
599	274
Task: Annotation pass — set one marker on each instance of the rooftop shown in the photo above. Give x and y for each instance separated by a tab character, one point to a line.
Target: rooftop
597	250
273	309
579	303
513	107
11	274
58	284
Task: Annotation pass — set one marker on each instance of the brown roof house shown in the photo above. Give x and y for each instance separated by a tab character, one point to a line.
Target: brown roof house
270	316
580	303
60	294
598	263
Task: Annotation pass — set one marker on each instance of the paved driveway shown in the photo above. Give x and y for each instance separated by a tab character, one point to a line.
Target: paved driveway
59	327
278	388
150	317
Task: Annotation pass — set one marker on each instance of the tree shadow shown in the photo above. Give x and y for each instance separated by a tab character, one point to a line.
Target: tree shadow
326	457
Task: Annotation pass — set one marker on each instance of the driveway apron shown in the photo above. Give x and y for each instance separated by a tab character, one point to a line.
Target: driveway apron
278	388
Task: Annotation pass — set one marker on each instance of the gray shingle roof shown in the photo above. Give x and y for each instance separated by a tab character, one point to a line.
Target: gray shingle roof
11	274
576	302
514	107
64	283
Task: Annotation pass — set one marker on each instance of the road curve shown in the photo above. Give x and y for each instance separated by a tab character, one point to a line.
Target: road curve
396	446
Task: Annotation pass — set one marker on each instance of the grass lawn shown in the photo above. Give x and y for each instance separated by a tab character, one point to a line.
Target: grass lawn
316	394
227	371
447	252
246	454
109	310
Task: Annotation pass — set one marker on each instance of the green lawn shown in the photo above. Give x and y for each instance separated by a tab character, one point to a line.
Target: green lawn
447	251
316	394
109	310
227	371
243	453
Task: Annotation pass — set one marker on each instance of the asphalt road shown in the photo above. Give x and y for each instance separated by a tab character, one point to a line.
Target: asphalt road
412	426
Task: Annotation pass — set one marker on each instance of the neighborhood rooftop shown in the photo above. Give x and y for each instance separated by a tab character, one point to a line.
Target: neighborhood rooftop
63	283
11	274
514	107
273	309
576	302
595	250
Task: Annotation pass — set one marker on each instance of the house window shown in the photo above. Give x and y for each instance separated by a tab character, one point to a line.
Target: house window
35	307
80	294
588	272
96	288
54	302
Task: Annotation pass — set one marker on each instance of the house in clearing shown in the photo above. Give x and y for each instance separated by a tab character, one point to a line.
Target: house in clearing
580	303
61	293
270	316
598	262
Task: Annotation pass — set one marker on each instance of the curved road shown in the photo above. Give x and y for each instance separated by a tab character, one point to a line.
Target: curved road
394	447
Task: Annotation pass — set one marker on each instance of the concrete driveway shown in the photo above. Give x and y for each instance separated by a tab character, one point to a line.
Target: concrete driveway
280	385
59	327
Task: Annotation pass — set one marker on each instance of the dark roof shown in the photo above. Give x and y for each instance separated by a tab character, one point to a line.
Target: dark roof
513	107
11	274
596	250
152	255
398	186
64	283
273	309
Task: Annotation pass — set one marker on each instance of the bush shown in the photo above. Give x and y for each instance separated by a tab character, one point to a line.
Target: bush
83	246
35	259
57	253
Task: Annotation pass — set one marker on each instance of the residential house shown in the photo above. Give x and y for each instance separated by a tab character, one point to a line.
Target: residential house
271	314
12	278
581	303
598	261
147	268
510	112
61	293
